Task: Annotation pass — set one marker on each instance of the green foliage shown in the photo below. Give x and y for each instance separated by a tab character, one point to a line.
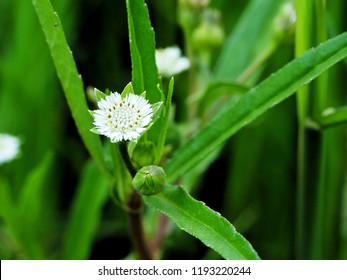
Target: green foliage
244	42
26	217
90	198
144	71
234	116
276	176
69	77
202	222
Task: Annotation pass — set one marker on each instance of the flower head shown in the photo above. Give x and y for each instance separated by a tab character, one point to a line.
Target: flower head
9	147
122	118
170	62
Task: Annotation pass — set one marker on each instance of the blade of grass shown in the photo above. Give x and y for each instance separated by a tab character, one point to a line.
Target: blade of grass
243	45
255	102
33	204
85	214
312	145
69	78
9	213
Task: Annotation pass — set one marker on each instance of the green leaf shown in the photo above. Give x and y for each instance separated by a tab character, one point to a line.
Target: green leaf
202	222
85	214
99	95
233	116
128	89
9	213
32	200
157	111
164	126
69	78
242	46
142	47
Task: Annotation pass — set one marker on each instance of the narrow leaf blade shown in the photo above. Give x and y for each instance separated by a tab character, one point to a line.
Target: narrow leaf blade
69	77
244	43
202	222
142	47
233	116
85	214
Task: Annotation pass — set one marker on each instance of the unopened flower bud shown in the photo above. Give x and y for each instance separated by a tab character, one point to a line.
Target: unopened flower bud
143	154
209	34
190	12
149	180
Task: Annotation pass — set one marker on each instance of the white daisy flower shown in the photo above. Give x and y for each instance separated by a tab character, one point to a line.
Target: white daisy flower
170	62
9	147
122	118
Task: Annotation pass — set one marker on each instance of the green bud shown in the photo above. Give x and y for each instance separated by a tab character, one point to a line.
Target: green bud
149	180
209	34
143	154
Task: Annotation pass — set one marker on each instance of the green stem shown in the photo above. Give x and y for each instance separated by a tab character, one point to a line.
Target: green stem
312	144
137	232
134	207
302	43
343	248
125	155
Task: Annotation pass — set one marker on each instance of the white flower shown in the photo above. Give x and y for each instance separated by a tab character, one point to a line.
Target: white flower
286	19
122	118
9	147
170	62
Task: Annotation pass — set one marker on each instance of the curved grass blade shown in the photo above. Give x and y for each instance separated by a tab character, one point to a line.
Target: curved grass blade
197	219
244	43
69	78
85	214
233	116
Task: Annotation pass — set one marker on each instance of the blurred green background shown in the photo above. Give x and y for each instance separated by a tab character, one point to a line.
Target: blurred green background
252	183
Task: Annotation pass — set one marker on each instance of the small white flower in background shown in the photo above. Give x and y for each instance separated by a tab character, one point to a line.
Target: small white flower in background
170	62
122	118
286	19
9	147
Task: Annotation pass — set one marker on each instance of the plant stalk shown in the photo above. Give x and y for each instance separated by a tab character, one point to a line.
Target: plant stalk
134	208
312	144
137	232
